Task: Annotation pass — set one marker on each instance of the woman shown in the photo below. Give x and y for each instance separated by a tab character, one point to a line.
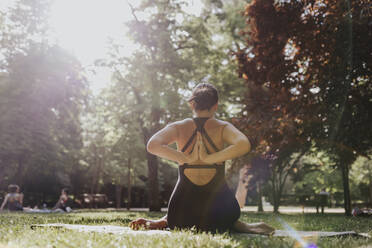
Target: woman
64	202
13	200
201	197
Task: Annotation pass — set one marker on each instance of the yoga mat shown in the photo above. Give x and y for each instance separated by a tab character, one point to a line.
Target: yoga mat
307	234
103	229
127	230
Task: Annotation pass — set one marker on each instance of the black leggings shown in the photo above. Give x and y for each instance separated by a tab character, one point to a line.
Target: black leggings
211	207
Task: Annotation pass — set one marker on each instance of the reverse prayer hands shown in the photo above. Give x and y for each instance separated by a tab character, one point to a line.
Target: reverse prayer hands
202	152
194	155
199	153
203	155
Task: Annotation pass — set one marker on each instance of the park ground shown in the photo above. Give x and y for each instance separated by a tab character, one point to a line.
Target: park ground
15	231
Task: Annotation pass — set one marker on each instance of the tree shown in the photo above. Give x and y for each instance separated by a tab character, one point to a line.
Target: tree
220	22
153	76
318	170
155	73
307	68
175	51
42	92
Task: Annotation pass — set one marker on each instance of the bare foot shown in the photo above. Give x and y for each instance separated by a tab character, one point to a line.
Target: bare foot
148	224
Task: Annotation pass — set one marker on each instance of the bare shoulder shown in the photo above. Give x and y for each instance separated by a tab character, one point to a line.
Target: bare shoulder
180	123
222	123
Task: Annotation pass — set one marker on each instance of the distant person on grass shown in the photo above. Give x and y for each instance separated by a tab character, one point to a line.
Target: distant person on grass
64	202
13	199
201	197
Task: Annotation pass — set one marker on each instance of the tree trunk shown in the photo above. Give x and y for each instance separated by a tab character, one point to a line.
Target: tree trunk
118	194
152	179
370	184
95	180
259	191
99	161
95	176
275	191
152	161
279	177
153	183
129	184
19	174
370	195
276	202
345	182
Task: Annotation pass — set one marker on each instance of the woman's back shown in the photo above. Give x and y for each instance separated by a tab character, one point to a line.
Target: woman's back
15	201
212	126
214	131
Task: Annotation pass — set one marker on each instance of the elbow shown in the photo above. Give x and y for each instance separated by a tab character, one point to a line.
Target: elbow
150	147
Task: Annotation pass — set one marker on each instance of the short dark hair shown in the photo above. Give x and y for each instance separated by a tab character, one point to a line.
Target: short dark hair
13	188
204	96
66	190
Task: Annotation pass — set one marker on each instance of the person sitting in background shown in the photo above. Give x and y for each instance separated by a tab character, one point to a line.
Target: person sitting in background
64	202
13	200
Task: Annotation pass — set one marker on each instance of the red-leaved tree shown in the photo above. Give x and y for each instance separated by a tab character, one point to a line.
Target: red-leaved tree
307	66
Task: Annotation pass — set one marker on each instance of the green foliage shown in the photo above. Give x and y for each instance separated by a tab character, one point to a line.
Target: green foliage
175	51
215	63
361	180
318	170
22	24
146	84
42	92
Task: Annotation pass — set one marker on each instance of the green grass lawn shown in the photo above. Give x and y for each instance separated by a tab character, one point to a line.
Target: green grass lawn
15	231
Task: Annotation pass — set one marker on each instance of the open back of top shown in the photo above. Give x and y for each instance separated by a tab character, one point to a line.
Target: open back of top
200	122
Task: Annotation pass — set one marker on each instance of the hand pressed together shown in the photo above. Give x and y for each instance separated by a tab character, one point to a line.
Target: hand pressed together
199	153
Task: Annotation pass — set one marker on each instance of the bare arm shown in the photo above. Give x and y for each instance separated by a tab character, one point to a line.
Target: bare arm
4	202
238	146
158	145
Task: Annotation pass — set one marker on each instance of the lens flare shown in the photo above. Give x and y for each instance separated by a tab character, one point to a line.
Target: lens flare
295	235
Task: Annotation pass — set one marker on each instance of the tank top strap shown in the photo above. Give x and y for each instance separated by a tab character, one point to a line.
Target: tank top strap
200	122
188	143
210	141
